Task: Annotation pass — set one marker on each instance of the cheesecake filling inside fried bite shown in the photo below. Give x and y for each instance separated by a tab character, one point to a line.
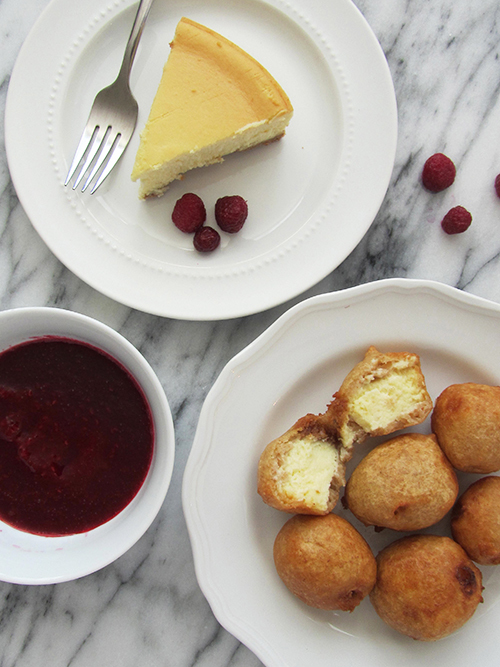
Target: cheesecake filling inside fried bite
300	471
385	398
383	393
307	471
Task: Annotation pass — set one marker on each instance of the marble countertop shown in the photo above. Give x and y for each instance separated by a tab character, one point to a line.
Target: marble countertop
444	59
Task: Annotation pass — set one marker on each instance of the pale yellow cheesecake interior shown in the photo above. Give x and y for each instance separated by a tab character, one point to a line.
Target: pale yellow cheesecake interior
306	473
383	399
213	99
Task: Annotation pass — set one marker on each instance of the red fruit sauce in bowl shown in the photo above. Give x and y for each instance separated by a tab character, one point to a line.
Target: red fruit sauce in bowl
86	445
76	437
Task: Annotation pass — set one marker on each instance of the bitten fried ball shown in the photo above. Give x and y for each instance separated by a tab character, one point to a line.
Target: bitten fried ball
301	472
466	421
427	587
475	521
383	393
324	561
405	484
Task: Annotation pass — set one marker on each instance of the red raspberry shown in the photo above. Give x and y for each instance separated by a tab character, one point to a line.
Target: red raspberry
497	185
438	173
206	239
456	221
189	213
231	213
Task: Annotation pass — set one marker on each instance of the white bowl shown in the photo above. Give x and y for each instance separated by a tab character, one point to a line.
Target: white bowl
33	559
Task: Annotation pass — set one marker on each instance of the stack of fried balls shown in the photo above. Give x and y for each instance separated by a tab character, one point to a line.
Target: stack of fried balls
423	585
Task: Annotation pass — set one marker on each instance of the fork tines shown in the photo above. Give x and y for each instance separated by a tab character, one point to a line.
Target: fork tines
99	148
112	118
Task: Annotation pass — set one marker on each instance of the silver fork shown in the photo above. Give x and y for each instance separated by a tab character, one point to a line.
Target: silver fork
112	118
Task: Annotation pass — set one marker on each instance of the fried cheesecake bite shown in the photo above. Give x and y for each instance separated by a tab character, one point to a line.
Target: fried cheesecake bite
427	587
303	470
475	521
405	483
466	421
382	394
324	561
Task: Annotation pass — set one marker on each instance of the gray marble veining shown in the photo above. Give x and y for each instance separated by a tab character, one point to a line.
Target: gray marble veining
146	609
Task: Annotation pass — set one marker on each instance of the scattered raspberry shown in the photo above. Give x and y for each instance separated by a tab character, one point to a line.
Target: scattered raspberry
457	220
231	213
189	213
206	239
438	173
497	185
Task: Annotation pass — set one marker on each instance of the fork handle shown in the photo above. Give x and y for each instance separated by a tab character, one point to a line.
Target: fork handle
135	36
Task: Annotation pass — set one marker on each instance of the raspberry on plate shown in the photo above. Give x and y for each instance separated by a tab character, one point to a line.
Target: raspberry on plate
189	213
231	213
497	185
206	239
438	173
456	221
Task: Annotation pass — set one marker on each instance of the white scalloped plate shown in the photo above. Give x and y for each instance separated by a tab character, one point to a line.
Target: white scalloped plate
294	368
306	212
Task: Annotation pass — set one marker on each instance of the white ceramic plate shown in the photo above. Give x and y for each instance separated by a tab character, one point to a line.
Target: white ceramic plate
312	196
291	369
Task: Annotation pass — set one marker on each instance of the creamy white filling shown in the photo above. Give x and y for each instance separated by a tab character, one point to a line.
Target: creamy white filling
307	472
386	398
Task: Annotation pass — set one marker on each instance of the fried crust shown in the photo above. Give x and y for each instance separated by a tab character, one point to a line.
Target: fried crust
466	421
475	521
324	561
427	587
405	483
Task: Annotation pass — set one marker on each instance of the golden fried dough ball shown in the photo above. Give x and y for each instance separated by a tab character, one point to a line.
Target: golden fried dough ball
300	471
466	421
383	393
475	521
324	561
427	587
405	483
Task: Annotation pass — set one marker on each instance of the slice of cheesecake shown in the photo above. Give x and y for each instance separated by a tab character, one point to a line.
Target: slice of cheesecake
213	99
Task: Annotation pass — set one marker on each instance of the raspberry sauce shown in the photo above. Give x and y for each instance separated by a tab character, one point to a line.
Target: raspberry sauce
76	437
